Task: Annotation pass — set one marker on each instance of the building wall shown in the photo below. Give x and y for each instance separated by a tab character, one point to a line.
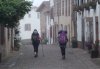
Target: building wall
79	27
52	22
62	15
2	42
43	22
51	3
31	18
98	14
51	32
7	42
99	24
5	45
95	17
48	28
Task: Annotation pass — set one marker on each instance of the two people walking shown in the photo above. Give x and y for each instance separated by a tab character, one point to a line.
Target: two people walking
62	39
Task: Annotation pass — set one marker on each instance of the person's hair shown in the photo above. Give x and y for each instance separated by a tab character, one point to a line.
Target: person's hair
35	29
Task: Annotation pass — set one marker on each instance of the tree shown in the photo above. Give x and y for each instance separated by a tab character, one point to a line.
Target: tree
11	11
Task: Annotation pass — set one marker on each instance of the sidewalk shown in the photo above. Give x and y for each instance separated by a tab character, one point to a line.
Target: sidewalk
75	59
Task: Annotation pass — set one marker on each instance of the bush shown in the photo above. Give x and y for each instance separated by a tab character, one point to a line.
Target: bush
44	41
17	44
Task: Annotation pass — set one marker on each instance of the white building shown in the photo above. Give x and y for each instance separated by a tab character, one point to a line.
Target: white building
88	21
51	21
30	22
44	10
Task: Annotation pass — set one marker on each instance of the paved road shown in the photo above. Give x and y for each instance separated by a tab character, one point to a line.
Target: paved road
75	59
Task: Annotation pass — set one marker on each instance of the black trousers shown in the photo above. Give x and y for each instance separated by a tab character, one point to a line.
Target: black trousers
62	51
35	49
35	46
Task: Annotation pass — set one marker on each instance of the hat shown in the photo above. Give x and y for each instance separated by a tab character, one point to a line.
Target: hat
35	30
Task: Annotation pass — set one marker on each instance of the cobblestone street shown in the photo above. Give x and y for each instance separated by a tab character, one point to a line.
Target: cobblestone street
75	59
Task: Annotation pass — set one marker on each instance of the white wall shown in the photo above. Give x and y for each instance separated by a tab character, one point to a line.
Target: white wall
90	13
79	27
99	21
33	20
52	23
48	28
7	42
51	3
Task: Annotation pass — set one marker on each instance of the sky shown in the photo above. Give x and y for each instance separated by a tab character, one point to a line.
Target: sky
38	2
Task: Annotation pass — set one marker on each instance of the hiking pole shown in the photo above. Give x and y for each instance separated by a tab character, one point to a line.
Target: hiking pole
42	50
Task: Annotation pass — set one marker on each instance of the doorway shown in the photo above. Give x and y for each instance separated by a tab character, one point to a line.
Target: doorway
97	31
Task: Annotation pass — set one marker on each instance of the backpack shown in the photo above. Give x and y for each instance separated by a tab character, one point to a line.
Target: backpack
62	38
35	37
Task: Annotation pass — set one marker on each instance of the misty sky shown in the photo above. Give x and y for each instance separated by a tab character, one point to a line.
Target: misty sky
38	2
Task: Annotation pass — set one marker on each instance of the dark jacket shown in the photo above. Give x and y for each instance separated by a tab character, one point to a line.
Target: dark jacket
35	41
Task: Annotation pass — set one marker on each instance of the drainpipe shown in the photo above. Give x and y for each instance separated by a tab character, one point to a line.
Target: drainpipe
99	24
83	35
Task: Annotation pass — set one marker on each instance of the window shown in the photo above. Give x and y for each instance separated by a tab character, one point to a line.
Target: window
62	7
78	2
59	7
66	7
69	8
27	27
55	6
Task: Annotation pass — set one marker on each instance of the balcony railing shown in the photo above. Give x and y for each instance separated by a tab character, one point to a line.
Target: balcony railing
87	6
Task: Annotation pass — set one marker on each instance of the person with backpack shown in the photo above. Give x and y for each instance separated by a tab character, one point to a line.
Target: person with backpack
35	41
62	39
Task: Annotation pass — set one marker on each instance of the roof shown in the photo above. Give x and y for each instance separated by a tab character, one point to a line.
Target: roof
44	4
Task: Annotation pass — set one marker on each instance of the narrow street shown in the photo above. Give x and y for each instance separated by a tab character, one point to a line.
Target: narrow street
49	21
75	59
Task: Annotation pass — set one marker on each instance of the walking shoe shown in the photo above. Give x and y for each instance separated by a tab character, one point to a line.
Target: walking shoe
36	55
63	57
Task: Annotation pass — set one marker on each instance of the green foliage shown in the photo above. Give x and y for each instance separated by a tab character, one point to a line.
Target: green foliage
16	44
93	4
44	41
75	8
86	6
11	11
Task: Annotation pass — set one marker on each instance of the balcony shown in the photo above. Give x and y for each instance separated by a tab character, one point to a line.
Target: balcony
87	6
